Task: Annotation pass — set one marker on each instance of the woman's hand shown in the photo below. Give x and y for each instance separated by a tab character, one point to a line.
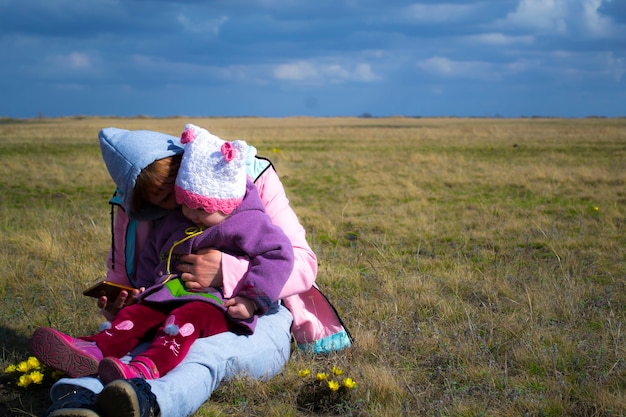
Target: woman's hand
110	310
201	270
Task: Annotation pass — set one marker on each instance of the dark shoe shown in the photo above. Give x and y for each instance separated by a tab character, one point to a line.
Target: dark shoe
128	398
111	369
75	357
78	403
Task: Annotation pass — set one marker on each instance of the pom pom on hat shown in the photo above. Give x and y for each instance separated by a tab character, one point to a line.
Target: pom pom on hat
212	174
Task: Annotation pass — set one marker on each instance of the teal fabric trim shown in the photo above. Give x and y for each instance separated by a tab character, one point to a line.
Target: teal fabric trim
255	166
129	250
328	344
178	290
117	198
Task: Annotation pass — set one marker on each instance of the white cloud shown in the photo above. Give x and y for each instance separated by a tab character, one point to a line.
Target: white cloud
595	23
437	65
69	67
79	61
521	65
364	72
561	17
444	12
544	15
322	72
165	68
576	67
200	26
615	67
72	87
446	67
497	38
295	71
61	63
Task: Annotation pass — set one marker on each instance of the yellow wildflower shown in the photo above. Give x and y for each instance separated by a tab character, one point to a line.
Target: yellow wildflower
10	369
23	366
24	381
321	376
36	377
337	371
33	362
333	385
349	383
56	374
304	373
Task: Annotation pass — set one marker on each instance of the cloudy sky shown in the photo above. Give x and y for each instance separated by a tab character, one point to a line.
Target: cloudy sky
279	58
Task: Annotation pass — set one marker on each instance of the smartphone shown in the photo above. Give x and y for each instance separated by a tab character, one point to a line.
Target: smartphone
110	289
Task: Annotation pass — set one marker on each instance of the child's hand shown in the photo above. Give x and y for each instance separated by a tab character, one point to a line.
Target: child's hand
110	309
240	307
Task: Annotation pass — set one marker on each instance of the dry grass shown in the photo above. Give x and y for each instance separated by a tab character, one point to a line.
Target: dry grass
479	264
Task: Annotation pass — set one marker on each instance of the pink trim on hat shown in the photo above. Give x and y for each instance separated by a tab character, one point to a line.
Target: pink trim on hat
208	204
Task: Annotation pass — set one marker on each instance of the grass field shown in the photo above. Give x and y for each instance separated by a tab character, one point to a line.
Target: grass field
480	264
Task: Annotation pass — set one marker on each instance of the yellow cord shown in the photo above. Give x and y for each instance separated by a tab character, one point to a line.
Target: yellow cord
190	232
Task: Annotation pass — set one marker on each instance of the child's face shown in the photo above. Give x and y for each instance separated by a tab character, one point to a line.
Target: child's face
203	219
164	197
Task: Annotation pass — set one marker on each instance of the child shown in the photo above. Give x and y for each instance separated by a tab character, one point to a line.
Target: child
220	209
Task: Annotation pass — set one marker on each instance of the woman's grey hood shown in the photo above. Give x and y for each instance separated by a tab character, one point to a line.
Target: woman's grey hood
126	153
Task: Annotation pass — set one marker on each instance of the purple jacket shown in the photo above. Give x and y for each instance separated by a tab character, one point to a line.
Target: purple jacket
248	231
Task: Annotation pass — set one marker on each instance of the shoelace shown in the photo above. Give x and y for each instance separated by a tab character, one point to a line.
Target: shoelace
76	398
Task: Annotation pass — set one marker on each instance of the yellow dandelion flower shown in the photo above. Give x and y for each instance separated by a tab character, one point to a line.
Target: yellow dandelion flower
276	150
24	381
23	366
33	362
56	374
349	383
10	369
337	371
333	385
36	377
321	376
596	208
304	373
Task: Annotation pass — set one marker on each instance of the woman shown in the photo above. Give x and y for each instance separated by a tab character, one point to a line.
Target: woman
315	324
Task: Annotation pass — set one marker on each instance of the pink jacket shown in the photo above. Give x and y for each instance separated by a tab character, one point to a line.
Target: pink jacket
316	325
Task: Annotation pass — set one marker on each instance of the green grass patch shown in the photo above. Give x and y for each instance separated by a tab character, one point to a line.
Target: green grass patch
478	263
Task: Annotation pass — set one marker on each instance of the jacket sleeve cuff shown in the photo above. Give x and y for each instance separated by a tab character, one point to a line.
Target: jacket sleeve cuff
233	268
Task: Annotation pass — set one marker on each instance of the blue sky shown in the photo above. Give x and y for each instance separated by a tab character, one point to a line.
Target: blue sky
278	58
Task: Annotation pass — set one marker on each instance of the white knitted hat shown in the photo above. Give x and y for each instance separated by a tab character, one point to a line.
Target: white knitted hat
212	174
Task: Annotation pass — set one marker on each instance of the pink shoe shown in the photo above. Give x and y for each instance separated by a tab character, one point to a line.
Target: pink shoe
111	369
73	356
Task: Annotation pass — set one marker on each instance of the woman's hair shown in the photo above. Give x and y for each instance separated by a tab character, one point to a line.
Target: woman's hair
152	177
